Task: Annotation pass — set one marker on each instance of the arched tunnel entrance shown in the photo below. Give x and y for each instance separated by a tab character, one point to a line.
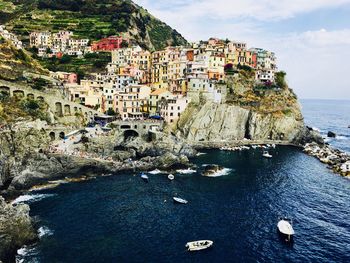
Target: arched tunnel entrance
61	135
130	135
52	136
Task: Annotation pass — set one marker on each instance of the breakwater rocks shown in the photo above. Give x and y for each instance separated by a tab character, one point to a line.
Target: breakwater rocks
337	160
16	229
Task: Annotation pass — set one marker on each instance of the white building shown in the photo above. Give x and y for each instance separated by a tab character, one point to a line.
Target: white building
172	109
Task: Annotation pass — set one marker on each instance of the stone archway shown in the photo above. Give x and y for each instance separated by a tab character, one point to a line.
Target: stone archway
59	111
67	110
30	96
52	136
61	135
19	94
4	91
130	134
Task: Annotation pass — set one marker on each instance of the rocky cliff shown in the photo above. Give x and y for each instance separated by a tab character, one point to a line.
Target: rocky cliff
245	112
217	122
16	229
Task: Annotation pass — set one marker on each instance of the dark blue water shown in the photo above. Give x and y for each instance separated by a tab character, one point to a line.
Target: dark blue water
329	115
122	219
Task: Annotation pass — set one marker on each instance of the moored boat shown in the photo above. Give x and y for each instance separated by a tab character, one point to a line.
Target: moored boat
144	177
171	177
199	245
266	154
180	200
285	228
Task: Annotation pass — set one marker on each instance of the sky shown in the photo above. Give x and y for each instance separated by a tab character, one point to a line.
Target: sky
311	38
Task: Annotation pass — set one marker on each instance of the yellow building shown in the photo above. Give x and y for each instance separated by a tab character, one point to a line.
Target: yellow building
155	97
132	101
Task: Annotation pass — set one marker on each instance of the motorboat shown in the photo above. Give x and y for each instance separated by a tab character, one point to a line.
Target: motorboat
156	171
171	177
285	228
180	200
144	177
266	154
199	245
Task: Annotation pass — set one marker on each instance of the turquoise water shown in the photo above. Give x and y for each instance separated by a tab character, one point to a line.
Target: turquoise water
122	219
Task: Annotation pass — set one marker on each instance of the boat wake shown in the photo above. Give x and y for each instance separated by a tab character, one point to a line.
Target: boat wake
222	172
186	171
44	231
28	199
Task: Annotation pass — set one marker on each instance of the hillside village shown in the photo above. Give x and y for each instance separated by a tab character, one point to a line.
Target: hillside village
139	84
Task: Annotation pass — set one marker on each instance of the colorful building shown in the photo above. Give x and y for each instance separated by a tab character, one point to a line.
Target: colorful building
108	44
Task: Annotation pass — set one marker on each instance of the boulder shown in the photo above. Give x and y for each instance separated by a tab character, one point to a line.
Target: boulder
212	169
331	134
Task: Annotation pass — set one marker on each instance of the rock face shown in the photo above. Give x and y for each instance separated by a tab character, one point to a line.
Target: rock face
217	122
16	229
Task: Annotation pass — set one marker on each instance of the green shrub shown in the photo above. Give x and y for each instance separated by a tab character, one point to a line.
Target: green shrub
280	79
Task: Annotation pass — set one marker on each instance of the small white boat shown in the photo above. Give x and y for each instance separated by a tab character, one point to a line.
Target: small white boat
144	177
180	200
186	171
199	245
285	228
171	177
156	171
266	154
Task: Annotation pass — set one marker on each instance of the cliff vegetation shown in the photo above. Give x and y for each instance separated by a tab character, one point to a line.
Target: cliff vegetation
93	19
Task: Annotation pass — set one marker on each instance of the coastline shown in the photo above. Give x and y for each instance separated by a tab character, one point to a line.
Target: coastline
79	169
90	166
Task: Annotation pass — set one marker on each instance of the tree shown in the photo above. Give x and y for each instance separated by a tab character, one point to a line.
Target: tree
65	59
39	84
124	44
111	112
280	79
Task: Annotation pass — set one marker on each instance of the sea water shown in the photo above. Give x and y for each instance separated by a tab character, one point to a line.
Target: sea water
122	219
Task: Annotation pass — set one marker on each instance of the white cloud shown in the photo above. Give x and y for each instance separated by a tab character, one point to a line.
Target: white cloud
226	9
316	61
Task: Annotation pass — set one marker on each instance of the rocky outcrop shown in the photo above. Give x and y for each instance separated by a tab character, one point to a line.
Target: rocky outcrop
336	160
211	169
16	229
224	122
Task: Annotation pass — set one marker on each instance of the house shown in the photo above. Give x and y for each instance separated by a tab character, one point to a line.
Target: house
132	101
171	109
65	77
155	97
108	44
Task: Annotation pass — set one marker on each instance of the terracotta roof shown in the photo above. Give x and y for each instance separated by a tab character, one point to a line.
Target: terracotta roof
158	91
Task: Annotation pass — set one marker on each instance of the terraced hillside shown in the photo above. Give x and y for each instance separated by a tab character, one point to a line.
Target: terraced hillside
91	19
14	62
